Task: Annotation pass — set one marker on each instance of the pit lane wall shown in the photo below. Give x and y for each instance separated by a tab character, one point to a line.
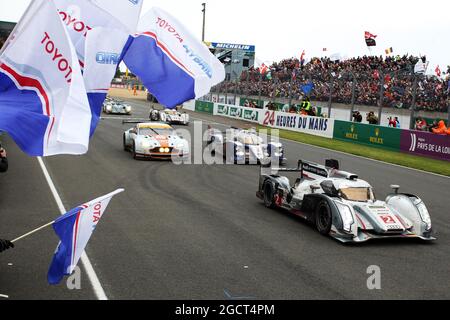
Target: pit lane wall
411	142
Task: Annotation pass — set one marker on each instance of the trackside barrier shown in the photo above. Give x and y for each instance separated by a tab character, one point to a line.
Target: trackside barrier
371	135
418	143
206	107
425	144
189	105
240	113
294	122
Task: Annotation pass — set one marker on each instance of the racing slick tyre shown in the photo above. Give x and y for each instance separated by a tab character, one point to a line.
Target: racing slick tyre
133	152
324	218
125	148
269	195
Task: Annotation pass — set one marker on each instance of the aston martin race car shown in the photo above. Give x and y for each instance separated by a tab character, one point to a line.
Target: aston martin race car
154	141
112	106
244	146
339	204
169	116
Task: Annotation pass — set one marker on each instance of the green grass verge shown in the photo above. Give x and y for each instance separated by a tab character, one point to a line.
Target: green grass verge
403	159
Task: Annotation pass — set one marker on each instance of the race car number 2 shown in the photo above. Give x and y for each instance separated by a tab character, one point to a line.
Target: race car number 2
387	219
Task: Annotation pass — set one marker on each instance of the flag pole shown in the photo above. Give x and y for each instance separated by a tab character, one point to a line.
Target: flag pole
33	232
112	194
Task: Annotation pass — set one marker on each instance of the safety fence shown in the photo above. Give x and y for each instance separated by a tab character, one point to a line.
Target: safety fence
407	141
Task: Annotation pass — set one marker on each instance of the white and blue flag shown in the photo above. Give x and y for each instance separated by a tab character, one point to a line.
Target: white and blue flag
173	65
43	102
99	33
75	229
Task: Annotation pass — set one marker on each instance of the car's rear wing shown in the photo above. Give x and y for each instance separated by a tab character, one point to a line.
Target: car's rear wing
132	121
314	170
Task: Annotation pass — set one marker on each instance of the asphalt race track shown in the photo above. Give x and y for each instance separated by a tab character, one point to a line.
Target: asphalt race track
199	232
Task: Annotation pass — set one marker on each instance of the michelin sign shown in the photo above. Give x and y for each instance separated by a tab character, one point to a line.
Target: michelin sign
230	46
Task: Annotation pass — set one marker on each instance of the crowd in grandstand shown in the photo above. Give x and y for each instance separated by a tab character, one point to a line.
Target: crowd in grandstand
394	74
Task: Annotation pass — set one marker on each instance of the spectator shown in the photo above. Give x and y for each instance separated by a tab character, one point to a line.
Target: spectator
5	245
357	117
397	123
392	122
372	118
441	128
421	125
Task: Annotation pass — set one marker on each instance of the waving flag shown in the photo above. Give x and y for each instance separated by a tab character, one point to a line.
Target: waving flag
75	229
43	102
173	65
302	58
263	69
99	34
369	35
307	88
438	71
370	39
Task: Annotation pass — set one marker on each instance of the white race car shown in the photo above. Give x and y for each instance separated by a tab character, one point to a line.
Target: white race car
112	106
244	146
169	116
343	206
154	141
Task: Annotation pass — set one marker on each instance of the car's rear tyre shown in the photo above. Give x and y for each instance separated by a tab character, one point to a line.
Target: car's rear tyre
269	195
324	218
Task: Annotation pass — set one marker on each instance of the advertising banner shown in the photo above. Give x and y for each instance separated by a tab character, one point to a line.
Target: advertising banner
240	113
295	122
374	136
206	107
425	144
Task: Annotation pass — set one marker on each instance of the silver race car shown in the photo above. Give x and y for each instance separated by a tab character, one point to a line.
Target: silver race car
343	206
112	106
154	141
244	146
169	116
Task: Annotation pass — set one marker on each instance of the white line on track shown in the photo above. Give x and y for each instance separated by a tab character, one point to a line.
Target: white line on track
4	296
339	152
95	282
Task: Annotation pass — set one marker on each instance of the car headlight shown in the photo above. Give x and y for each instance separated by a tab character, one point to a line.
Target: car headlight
145	144
109	108
128	108
347	216
424	214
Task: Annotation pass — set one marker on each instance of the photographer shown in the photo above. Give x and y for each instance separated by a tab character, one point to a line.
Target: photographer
357	117
3	160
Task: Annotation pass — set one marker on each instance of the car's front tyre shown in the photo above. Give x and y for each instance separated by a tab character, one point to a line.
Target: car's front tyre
133	152
269	195
324	218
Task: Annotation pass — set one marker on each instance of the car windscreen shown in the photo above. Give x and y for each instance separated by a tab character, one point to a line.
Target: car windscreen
249	139
357	194
155	131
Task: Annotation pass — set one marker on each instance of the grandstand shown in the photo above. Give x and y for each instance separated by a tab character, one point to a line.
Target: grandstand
357	81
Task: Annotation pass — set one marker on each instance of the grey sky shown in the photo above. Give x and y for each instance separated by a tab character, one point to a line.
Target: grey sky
282	28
